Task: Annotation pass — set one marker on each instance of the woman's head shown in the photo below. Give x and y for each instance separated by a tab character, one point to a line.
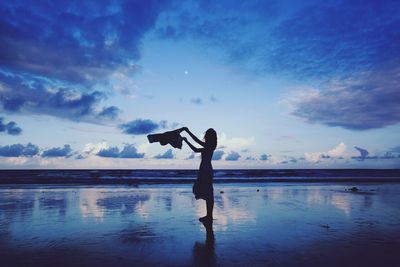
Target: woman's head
211	138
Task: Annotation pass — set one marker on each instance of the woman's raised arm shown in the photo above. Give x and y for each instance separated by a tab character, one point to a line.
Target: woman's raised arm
194	137
195	149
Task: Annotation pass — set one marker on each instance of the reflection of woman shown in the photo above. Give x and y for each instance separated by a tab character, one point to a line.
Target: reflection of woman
203	187
204	253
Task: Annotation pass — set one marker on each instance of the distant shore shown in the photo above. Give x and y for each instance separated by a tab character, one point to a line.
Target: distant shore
68	181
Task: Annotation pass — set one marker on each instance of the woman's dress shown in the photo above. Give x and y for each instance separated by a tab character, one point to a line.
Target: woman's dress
203	188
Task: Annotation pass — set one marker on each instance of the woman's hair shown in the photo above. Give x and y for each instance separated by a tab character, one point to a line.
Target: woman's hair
211	138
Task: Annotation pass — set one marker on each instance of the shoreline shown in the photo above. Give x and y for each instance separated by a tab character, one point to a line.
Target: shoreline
138	181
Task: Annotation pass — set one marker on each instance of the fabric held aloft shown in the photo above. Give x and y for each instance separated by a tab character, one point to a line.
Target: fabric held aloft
171	137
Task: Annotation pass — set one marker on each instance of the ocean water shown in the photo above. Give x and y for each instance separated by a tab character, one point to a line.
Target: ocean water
258	224
100	176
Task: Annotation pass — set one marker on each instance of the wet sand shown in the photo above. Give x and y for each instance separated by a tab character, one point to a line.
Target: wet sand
296	224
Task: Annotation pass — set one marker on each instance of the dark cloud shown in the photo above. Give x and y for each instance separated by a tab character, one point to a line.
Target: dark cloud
200	101
73	40
250	158
390	155
372	102
218	154
65	151
129	151
13	129
80	156
55	57
109	112
111	152
10	128
393	153
264	157
395	149
167	155
228	25
141	126
232	156
292	160
310	39
27	94
19	150
324	39
364	154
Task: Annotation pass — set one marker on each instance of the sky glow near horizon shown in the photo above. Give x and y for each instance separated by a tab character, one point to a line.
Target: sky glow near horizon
304	85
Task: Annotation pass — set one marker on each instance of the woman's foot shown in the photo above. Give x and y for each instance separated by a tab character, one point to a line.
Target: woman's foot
206	219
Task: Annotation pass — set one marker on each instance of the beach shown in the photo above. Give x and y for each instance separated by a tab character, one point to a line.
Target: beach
255	224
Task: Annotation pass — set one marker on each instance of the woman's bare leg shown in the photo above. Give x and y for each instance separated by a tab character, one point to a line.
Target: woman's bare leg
209	217
210	207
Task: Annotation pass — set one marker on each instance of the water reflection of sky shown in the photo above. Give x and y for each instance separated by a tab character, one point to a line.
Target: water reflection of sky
158	224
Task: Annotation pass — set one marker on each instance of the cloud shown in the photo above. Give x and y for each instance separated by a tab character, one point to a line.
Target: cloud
361	103
213	99
337	152
167	155
393	153
291	160
303	41
140	126
80	156
232	156
226	25
129	151
94	148
395	149
235	143
111	152
363	153
109	112
200	101
362	66
264	157
60	59
94	37
27	94
10	128
196	100
191	156
65	151
299	37
19	150
218	154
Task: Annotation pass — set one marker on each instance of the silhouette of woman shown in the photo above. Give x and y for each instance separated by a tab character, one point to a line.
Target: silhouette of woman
203	188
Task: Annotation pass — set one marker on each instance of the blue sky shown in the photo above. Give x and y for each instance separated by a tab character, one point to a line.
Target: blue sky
305	84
